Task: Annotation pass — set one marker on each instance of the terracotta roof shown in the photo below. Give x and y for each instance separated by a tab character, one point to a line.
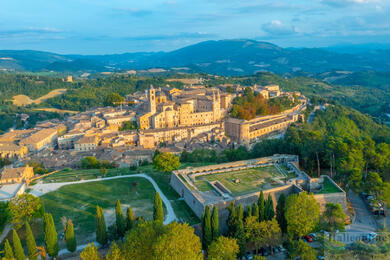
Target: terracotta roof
39	136
10	173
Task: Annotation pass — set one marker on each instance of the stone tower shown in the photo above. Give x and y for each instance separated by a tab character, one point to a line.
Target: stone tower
152	99
216	106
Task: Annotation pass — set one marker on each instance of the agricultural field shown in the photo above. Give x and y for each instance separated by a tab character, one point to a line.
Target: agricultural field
243	181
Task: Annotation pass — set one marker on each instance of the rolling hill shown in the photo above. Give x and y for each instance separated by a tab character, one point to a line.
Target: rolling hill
224	57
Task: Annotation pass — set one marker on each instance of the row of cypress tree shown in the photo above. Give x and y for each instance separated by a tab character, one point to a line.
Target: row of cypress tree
263	210
122	223
210	226
50	238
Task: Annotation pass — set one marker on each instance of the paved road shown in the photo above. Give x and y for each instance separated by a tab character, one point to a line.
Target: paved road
362	223
40	189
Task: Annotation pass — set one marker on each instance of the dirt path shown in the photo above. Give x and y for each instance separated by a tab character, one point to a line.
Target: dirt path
22	100
42	188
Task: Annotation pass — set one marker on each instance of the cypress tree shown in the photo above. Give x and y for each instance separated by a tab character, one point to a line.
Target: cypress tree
31	244
8	252
50	234
255	210
70	239
19	252
280	213
120	221
101	230
261	204
231	221
240	214
269	212
207	232
130	218
158	212
248	211
215	224
241	239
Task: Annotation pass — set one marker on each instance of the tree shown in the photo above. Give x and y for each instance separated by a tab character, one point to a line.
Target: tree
120	221
303	251
248	211
302	214
151	240
103	171
50	235
113	99
253	232
23	208
130	219
158	212
178	241
255	210
261	204
19	252
223	248
206	228
215	224
239	235
166	162
8	252
269	212
114	252
70	238
334	217
101	229
90	162
5	215
31	244
273	232
280	213
232	219
240	213
90	252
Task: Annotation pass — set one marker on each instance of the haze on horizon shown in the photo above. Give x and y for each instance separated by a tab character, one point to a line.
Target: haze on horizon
117	26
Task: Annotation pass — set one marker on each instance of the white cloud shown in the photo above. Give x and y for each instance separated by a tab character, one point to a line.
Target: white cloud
276	27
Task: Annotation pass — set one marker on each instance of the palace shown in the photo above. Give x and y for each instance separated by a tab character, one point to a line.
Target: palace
186	108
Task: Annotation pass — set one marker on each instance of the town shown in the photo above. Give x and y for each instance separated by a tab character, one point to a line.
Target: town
146	140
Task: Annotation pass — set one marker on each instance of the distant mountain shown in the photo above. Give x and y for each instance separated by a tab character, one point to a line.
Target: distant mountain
224	57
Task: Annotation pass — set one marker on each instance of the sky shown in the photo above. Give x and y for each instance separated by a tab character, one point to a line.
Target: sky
117	26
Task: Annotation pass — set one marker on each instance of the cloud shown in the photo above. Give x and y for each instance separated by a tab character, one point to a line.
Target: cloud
151	37
343	3
276	27
31	31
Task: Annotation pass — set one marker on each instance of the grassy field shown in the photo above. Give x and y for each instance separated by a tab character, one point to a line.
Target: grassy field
78	202
182	211
250	180
81	174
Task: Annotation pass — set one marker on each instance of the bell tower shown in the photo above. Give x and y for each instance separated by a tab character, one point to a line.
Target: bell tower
152	99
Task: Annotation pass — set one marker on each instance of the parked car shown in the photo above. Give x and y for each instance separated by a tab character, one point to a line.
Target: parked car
369	237
308	238
313	236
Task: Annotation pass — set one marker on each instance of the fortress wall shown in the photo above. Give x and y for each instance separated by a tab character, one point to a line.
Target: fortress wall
196	203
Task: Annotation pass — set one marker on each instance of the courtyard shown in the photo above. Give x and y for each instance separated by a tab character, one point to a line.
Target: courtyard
244	181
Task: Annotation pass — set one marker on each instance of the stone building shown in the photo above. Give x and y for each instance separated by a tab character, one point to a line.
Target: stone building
182	110
86	143
246	131
12	151
40	140
16	175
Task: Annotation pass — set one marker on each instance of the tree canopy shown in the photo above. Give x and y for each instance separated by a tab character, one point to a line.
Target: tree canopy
166	162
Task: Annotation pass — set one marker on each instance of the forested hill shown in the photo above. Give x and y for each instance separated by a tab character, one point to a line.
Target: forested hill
223	57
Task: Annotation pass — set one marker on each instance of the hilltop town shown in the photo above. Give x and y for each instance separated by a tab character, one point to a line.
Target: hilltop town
164	118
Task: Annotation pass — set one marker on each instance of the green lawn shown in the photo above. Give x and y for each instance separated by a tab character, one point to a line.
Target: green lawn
78	202
328	187
250	180
82	174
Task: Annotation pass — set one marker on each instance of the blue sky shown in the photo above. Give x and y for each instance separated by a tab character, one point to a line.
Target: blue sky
116	26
